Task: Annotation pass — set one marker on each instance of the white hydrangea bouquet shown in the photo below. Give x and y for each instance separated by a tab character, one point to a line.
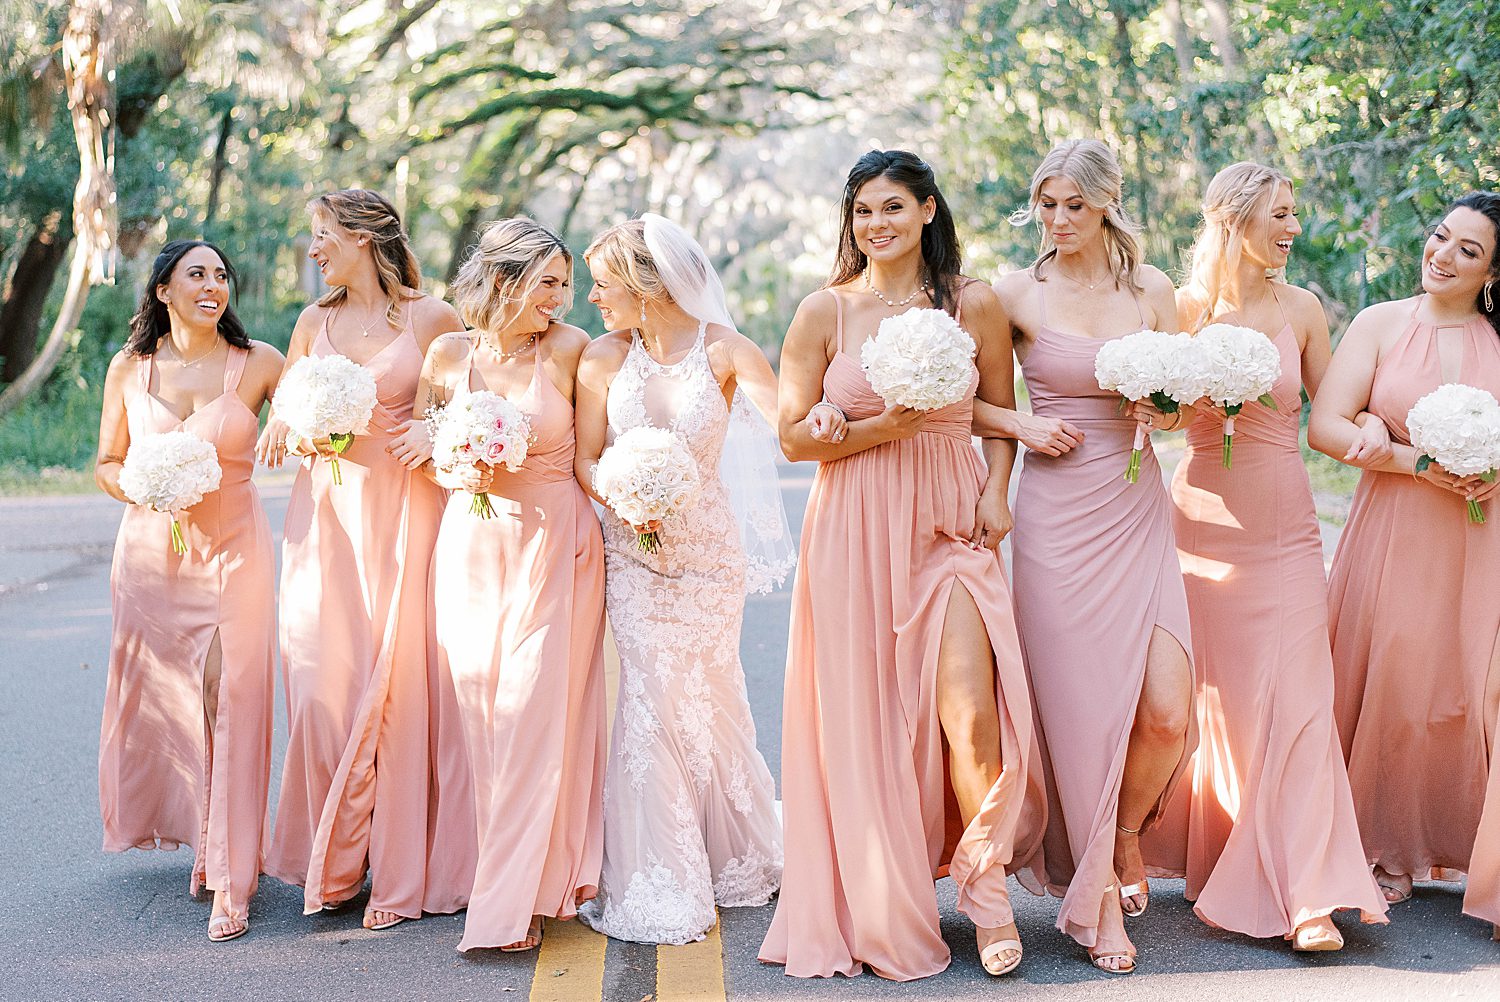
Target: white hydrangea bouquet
1243	365
919	359
168	473
647	475
1457	427
1170	370
326	396
480	427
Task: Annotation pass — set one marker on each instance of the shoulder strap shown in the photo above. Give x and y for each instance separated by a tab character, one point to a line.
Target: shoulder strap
1139	313
1286	321
234	367
958	312
1041	298
838	306
143	368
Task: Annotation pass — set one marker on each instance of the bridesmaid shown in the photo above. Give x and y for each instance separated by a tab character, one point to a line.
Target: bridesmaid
1099	595
1413	613
520	596
185	748
364	787
908	748
1267	824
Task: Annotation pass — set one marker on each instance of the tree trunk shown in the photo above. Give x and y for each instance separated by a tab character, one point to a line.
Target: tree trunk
21	313
219	166
87	48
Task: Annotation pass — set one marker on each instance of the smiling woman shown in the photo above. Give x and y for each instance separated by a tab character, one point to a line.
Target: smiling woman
185	748
1414	615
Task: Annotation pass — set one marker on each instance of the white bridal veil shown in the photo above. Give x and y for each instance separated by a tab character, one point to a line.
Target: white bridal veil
748	463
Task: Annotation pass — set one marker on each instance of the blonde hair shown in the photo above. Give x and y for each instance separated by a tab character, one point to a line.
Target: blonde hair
503	270
1092	166
1236	197
369	214
622	249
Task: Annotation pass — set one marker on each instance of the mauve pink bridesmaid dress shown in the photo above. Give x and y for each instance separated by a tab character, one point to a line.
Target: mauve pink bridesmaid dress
1265	833
520	627
376	776
1414	615
1095	567
869	816
168	776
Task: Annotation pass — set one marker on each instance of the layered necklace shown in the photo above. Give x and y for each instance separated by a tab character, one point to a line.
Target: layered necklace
870	286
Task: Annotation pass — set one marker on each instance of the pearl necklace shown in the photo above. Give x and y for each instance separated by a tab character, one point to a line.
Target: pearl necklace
870	286
503	355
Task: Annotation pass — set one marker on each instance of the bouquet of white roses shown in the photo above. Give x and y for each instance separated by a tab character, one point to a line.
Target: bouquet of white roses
919	359
647	475
1458	427
168	473
326	396
1243	365
1168	369
481	427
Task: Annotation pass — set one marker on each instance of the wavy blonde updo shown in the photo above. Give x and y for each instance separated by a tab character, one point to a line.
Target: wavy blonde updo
622	249
502	271
1092	166
1237	196
371	215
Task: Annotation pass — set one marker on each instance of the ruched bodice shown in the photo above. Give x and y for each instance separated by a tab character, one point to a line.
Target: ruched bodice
847	388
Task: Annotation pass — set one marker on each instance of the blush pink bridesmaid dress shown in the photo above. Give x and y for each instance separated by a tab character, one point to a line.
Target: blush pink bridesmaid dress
520	626
376	776
168	776
1414	615
1095	566
870	819
1266	828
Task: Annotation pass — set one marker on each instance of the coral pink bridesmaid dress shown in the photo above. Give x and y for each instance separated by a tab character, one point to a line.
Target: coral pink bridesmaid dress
376	776
1270	836
520	626
870	818
1414	615
1095	566
168	776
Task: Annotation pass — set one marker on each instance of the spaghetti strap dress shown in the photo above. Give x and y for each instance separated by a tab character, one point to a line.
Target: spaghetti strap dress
1095	564
376	774
870	816
1265	833
520	629
1414	618
168	774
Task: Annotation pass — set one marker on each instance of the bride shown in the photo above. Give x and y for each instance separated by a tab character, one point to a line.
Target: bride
689	805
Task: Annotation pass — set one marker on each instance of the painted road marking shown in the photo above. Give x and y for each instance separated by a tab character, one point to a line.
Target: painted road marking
692	973
570	963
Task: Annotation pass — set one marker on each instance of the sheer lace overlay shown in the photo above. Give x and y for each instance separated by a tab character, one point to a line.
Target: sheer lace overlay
689	812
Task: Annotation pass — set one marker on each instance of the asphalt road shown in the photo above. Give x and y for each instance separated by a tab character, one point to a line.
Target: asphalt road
78	924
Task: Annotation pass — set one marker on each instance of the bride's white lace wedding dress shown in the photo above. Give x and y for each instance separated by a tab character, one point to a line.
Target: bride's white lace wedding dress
689	805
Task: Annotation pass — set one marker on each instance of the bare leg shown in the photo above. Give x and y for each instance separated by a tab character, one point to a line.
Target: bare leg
971	723
222	925
1156	742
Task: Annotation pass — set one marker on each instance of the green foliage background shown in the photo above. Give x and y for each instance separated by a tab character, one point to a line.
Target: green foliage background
737	118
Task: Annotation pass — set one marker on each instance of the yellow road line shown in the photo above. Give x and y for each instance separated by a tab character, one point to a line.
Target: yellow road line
570	963
692	973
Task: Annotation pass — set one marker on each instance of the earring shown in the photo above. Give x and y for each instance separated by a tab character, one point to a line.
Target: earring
1489	300
643	313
